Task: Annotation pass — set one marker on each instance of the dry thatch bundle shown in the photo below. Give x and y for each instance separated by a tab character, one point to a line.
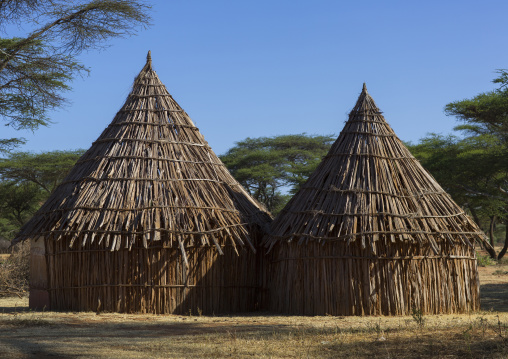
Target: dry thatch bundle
372	232
143	217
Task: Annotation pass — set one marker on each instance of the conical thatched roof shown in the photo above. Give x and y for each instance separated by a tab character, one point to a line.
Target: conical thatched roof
150	174
370	188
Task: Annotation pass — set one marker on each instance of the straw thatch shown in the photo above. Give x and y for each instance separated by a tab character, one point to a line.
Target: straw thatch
372	232
149	219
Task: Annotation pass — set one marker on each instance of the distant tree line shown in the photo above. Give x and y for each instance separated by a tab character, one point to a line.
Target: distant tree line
274	168
26	181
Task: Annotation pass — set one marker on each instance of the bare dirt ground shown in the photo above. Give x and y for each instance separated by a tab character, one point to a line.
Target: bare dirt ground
26	334
494	287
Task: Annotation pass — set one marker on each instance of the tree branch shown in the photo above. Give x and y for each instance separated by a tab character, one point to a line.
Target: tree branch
470	190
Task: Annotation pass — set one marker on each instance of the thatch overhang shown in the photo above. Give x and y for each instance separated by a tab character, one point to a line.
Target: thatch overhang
149	176
370	188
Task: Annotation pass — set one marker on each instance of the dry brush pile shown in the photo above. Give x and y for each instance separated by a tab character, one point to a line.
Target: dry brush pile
14	271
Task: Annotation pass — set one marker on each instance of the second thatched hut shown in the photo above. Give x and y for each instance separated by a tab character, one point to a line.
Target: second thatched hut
371	232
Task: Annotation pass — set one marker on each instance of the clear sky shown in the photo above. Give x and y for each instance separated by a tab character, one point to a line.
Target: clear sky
271	67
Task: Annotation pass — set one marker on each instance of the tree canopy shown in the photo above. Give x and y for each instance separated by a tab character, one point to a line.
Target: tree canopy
473	168
266	166
466	168
486	113
46	170
36	68
26	180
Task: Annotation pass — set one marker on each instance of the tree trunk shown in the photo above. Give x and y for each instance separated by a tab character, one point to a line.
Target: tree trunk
475	216
491	229
492	251
505	247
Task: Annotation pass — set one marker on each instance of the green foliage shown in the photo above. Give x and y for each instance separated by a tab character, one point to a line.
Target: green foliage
500	272
26	180
266	166
17	199
474	168
46	170
470	169
486	113
8	144
36	69
7	228
484	261
18	202
485	119
29	89
417	315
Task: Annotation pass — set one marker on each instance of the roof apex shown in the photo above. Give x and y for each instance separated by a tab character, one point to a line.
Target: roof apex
149	59
364	104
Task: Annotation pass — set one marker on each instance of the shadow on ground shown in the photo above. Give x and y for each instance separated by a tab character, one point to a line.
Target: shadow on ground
494	297
14	309
217	340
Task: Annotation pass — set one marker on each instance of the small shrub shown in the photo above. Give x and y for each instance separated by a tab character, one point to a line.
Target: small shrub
484	261
500	272
14	272
418	316
33	320
483	324
501	328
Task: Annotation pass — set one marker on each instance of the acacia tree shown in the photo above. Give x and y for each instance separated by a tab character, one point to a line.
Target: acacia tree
266	166
476	167
466	168
18	201
26	180
36	69
45	170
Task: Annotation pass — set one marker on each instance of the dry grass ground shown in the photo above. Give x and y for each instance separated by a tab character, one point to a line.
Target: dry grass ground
25	334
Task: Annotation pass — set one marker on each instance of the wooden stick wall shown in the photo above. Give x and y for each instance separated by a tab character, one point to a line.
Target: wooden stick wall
153	280
372	232
340	279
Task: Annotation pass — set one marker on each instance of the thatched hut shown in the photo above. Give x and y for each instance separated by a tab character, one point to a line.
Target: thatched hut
371	232
148	220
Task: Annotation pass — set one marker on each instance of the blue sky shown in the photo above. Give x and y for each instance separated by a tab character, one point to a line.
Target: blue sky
263	68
